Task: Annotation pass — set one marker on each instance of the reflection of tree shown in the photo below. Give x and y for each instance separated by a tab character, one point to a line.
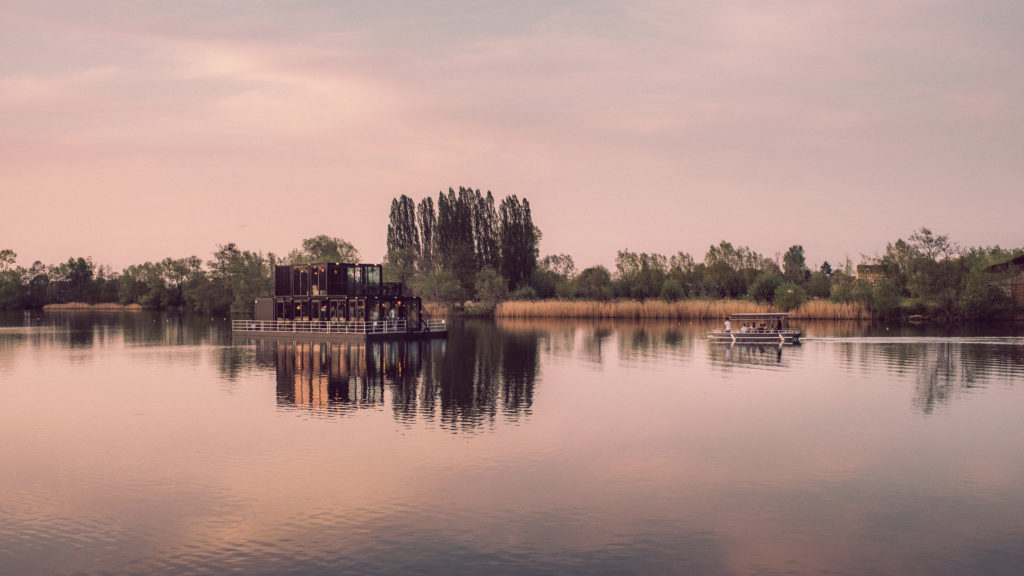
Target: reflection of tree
943	369
463	381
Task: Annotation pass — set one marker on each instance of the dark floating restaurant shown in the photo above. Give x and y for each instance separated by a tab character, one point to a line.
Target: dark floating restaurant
338	300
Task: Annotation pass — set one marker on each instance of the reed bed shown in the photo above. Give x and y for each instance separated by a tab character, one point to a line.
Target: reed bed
828	310
684	309
436	310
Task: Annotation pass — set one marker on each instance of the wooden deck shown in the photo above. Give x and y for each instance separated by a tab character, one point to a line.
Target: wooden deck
317	330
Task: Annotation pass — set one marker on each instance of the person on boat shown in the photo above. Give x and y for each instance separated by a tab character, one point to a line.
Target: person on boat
744	329
728	325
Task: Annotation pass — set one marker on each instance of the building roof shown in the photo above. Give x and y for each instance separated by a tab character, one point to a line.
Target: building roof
1004	266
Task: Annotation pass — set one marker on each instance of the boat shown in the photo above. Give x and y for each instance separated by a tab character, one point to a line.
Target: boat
767	328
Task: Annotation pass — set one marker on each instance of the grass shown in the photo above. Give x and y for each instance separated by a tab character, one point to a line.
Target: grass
684	309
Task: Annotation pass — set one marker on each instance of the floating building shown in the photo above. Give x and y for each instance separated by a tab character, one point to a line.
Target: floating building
338	299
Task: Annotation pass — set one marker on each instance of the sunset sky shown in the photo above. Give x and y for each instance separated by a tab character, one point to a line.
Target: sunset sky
135	130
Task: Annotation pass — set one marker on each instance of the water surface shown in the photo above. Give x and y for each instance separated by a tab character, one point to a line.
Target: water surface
148	444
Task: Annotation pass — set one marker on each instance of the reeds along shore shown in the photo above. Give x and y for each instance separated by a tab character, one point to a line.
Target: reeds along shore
685	309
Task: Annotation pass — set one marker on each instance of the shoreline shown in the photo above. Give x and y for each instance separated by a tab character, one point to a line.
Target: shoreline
84	307
681	310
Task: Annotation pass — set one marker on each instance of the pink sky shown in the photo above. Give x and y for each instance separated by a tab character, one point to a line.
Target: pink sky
134	131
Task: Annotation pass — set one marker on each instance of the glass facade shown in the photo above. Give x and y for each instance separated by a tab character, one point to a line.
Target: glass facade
340	292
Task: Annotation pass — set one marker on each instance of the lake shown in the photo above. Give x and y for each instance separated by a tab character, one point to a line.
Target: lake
154	444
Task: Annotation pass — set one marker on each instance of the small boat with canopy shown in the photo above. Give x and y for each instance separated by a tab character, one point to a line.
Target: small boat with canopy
767	328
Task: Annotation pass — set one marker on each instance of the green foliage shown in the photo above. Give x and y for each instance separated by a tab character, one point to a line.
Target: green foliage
729	271
426	216
594	283
842	287
794	265
862	291
491	288
818	285
765	287
439	285
524	292
403	245
825	268
671	290
518	240
885	299
983	297
639	276
7	259
454	249
789	296
323	248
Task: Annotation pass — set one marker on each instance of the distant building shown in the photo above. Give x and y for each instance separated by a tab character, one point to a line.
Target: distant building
1011	278
872	273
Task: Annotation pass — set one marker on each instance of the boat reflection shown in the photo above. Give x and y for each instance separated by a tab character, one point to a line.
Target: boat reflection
752	354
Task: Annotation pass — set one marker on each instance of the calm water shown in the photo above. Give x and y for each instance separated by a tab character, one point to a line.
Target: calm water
145	444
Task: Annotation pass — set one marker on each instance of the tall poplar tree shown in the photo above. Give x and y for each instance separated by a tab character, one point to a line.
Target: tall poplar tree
485	231
518	241
427	220
403	244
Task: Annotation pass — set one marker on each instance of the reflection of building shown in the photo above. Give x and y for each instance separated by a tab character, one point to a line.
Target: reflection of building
492	373
1011	279
325	375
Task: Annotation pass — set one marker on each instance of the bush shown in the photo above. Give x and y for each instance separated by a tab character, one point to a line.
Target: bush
789	296
524	293
886	299
819	285
671	290
765	287
491	288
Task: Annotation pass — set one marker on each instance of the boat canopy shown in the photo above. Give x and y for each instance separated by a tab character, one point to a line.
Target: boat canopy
763	316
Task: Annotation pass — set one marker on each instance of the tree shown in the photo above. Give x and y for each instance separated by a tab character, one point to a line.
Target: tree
76	276
454	233
323	248
403	244
485	231
789	296
729	271
819	285
765	287
826	268
237	278
794	265
885	299
594	283
518	240
427	219
639	276
8	258
491	288
931	246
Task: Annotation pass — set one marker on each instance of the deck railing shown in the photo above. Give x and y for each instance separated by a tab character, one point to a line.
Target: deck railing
335	327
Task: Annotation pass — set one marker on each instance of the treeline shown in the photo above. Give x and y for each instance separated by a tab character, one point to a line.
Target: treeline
925	274
463	248
466	247
226	284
